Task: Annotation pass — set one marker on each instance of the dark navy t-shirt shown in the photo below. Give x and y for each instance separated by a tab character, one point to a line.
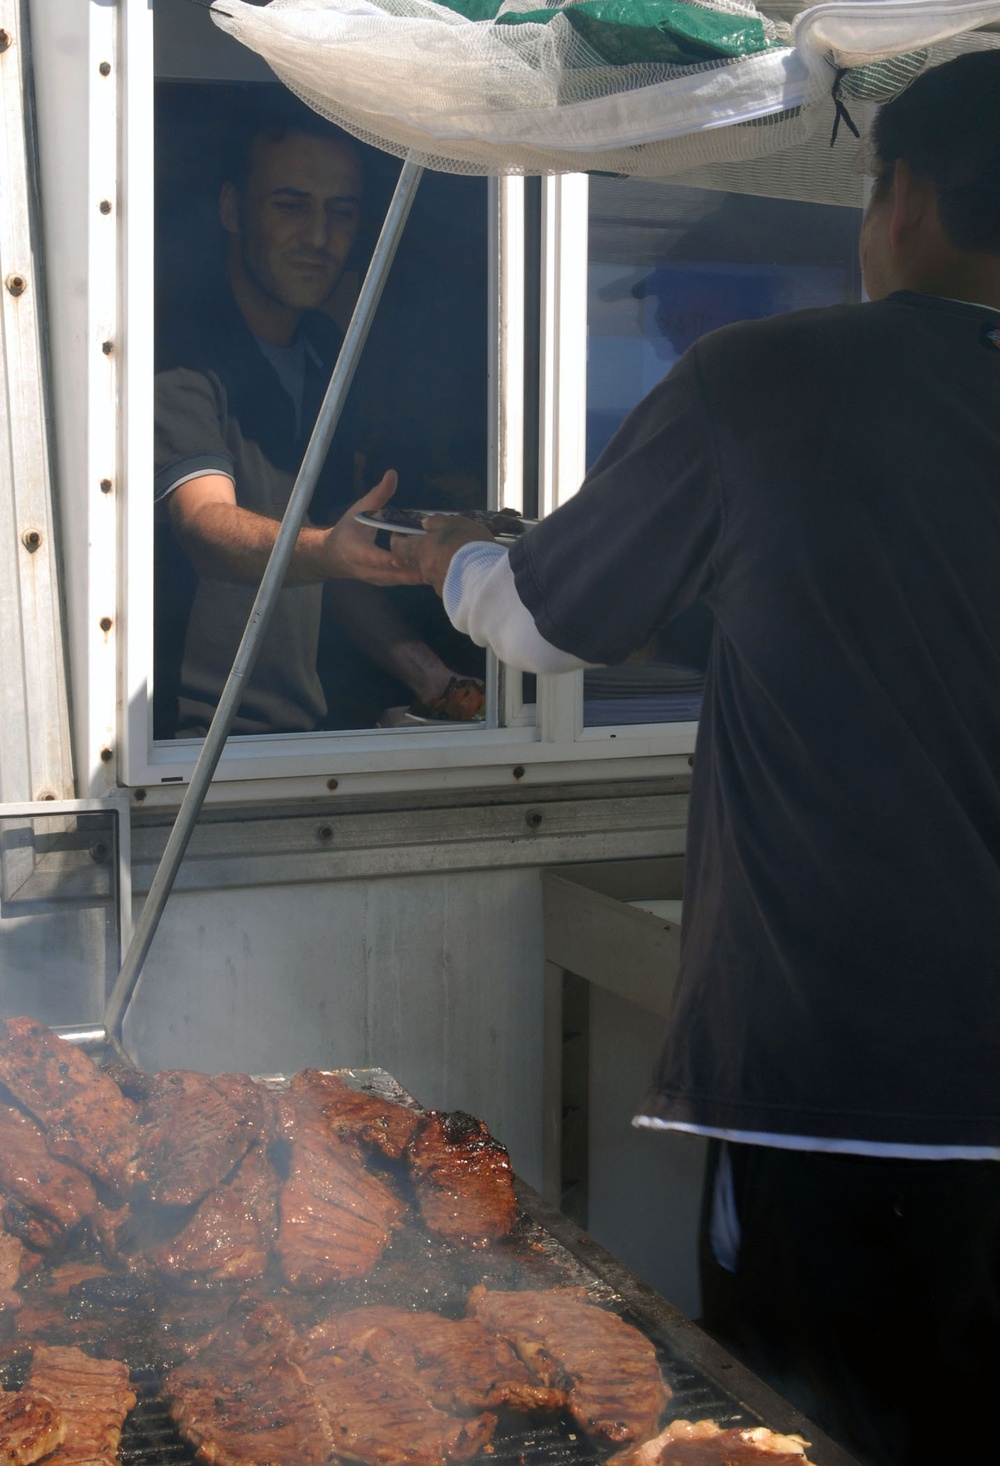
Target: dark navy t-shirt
828	483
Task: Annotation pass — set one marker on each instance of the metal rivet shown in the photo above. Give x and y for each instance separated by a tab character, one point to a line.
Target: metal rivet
107	347
105	206
518	772
533	819
98	852
106	755
139	795
105	486
106	623
31	539
332	783
16	284
4	40
324	832
105	68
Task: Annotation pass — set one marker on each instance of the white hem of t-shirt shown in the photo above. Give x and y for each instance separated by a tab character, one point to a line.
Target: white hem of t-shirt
779	1141
195	473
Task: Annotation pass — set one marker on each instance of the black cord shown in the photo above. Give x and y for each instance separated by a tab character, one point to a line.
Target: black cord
842	113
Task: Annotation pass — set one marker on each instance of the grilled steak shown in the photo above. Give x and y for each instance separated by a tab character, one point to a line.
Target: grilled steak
196	1128
335	1217
45	1197
229	1237
377	1417
380	1413
463	1179
92	1395
617	1392
86	1118
30	1427
241	1402
458	1365
15	1261
704	1443
377	1124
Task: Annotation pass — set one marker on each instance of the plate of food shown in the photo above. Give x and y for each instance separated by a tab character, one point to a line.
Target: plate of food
503	524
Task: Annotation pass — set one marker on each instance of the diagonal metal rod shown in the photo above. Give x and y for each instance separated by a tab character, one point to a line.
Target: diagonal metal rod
263	606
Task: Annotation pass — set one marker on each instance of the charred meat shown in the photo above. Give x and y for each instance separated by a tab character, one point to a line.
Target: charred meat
377	1124
616	1391
196	1128
463	1179
334	1216
230	1235
704	1443
92	1395
45	1198
219	1404
16	1261
86	1118
457	1364
30	1427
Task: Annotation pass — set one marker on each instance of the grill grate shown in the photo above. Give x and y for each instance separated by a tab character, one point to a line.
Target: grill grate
544	1251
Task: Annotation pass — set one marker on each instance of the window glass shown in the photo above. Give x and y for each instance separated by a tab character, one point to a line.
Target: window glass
265	219
667	264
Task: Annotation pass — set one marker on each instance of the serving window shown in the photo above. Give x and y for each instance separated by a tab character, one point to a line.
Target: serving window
521	321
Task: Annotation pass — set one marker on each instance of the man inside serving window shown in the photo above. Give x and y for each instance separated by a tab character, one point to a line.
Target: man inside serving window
247	372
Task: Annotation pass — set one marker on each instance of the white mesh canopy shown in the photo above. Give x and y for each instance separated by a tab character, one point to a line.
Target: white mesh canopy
648	88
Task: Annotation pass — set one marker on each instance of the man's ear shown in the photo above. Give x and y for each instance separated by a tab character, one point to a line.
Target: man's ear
229	208
911	200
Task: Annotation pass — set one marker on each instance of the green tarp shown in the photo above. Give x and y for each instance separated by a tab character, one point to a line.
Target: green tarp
623	32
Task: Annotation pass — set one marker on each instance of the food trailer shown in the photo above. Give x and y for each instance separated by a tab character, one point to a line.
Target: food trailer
386	893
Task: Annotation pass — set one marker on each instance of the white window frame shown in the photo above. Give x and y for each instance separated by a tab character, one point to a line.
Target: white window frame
546	744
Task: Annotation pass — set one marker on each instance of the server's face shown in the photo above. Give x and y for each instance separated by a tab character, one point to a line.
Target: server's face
295	221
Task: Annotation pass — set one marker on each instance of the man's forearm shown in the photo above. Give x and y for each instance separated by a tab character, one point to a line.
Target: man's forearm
226	542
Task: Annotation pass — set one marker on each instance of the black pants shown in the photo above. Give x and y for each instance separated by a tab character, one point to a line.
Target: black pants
867	1292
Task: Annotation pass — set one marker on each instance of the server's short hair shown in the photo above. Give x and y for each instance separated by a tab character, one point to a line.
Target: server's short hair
946	127
273	119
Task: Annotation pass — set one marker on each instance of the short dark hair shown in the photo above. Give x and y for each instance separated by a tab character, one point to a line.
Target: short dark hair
273	119
946	127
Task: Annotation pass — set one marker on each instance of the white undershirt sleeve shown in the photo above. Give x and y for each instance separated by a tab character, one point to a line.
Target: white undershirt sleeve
481	599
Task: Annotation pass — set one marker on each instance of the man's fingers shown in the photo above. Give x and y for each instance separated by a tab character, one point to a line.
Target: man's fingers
379	495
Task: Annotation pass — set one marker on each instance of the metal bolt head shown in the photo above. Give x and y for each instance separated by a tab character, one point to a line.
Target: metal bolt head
16	284
518	772
107	347
331	784
31	539
105	486
105	623
106	755
324	833
4	40
533	819
105	68
139	795
105	206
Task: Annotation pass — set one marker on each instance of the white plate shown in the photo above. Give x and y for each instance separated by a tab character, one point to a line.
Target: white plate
374	522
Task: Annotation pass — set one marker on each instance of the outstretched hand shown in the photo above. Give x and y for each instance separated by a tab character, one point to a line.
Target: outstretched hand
350	551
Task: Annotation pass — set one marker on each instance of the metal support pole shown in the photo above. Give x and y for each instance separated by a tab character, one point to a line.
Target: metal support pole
263	606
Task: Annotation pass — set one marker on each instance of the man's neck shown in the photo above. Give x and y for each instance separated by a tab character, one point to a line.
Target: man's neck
266	318
971	277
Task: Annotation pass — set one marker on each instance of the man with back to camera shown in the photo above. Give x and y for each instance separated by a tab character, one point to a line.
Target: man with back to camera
233	416
828	482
